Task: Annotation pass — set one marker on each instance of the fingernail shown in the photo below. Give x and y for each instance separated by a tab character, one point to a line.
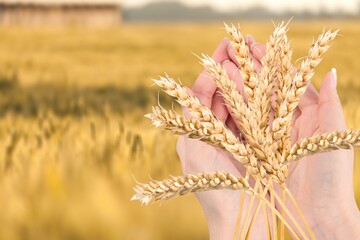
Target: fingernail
334	77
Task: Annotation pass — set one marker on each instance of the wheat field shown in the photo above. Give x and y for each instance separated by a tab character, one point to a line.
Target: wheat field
73	139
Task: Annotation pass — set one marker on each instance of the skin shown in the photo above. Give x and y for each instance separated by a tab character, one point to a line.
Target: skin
321	184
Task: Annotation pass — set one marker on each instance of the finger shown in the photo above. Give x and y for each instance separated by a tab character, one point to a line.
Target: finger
257	64
309	98
250	40
331	116
295	124
220	54
185	111
204	88
296	115
232	54
234	74
218	107
258	51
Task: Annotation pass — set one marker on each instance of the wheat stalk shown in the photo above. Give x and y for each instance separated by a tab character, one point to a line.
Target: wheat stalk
324	143
213	132
193	104
178	186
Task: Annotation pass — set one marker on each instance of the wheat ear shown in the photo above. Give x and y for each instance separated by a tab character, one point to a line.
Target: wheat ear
205	115
246	66
284	80
324	143
300	82
191	183
213	132
263	92
178	186
283	86
193	104
235	101
229	91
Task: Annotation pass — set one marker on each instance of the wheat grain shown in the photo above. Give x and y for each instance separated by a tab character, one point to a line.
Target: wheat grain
267	75
284	80
263	93
246	66
213	132
178	186
300	82
192	103
324	143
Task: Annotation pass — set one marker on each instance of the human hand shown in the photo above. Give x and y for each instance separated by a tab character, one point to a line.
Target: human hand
322	184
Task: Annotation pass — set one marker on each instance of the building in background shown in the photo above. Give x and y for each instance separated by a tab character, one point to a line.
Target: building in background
60	12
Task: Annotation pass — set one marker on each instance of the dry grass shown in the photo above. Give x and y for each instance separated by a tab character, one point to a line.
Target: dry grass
72	186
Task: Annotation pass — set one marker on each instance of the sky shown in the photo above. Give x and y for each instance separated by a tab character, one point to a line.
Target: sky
329	6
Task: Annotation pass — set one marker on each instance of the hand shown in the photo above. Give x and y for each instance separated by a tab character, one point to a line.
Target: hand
323	184
221	206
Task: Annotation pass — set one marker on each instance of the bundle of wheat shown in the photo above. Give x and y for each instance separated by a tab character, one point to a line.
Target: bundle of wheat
267	151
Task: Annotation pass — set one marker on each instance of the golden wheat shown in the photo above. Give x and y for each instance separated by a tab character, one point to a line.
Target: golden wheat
270	144
245	63
300	82
177	186
324	143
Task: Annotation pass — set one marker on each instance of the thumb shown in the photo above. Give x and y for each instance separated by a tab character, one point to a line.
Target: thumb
331	116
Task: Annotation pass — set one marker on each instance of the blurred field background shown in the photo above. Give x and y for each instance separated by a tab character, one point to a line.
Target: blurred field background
72	133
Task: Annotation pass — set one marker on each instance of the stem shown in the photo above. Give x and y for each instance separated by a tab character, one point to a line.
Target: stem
249	210
312	235
276	212
238	219
266	215
272	212
260	204
304	236
282	228
267	222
